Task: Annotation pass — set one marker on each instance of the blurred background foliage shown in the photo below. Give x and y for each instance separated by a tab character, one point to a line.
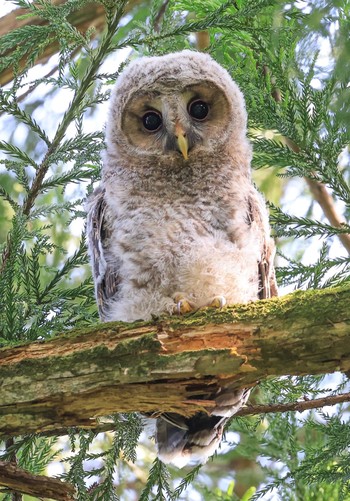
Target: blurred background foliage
291	62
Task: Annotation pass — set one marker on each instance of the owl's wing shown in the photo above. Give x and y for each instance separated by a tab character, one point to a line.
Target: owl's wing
257	217
106	276
267	278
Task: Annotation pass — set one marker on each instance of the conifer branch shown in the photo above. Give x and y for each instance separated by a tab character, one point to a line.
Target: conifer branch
91	14
14	479
318	190
74	106
69	116
35	85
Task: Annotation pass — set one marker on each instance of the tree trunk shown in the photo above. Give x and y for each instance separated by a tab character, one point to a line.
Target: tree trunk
170	364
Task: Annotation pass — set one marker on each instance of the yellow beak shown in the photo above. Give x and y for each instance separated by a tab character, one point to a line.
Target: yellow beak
181	140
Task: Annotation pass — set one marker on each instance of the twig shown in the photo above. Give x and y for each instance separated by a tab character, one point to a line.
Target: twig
251	410
160	16
35	84
321	195
20	481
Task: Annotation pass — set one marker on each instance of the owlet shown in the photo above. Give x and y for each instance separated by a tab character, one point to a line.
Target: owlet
176	223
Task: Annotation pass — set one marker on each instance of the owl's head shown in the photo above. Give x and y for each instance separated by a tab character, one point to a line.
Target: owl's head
174	109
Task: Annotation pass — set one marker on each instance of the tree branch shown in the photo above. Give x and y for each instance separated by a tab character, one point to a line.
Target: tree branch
171	364
325	200
301	406
16	496
93	15
17	480
160	15
247	410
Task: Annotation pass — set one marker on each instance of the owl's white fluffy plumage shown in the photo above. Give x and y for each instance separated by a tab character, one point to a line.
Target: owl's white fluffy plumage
163	225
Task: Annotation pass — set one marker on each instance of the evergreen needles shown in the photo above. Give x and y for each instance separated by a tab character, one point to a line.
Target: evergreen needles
298	118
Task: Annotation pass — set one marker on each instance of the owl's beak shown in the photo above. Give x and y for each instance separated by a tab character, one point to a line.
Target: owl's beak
181	140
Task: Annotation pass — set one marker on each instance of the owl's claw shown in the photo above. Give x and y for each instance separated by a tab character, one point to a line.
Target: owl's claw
217	302
183	305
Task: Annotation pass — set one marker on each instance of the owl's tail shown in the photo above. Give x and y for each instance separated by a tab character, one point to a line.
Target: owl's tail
183	440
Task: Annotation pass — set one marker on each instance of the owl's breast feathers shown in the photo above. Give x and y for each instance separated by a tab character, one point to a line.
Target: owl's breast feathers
142	257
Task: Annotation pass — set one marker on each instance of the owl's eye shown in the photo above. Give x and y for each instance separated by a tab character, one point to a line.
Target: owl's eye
198	109
152	121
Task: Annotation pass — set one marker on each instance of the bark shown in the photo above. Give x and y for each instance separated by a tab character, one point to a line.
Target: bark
18	480
170	364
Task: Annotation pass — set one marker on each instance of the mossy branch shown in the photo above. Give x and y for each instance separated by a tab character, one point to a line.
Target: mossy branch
170	364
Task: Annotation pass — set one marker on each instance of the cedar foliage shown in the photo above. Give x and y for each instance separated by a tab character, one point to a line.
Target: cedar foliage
299	126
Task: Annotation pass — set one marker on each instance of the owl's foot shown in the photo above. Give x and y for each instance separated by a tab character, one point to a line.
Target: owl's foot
183	305
217	302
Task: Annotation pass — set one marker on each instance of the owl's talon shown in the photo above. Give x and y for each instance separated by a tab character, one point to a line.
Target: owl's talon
183	305
217	302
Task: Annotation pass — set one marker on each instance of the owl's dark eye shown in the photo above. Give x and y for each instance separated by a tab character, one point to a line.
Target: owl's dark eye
198	109
152	121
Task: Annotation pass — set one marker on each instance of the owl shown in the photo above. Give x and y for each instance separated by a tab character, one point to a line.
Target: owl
176	223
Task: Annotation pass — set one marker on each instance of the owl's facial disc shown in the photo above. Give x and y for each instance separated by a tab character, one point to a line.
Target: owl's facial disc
176	121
